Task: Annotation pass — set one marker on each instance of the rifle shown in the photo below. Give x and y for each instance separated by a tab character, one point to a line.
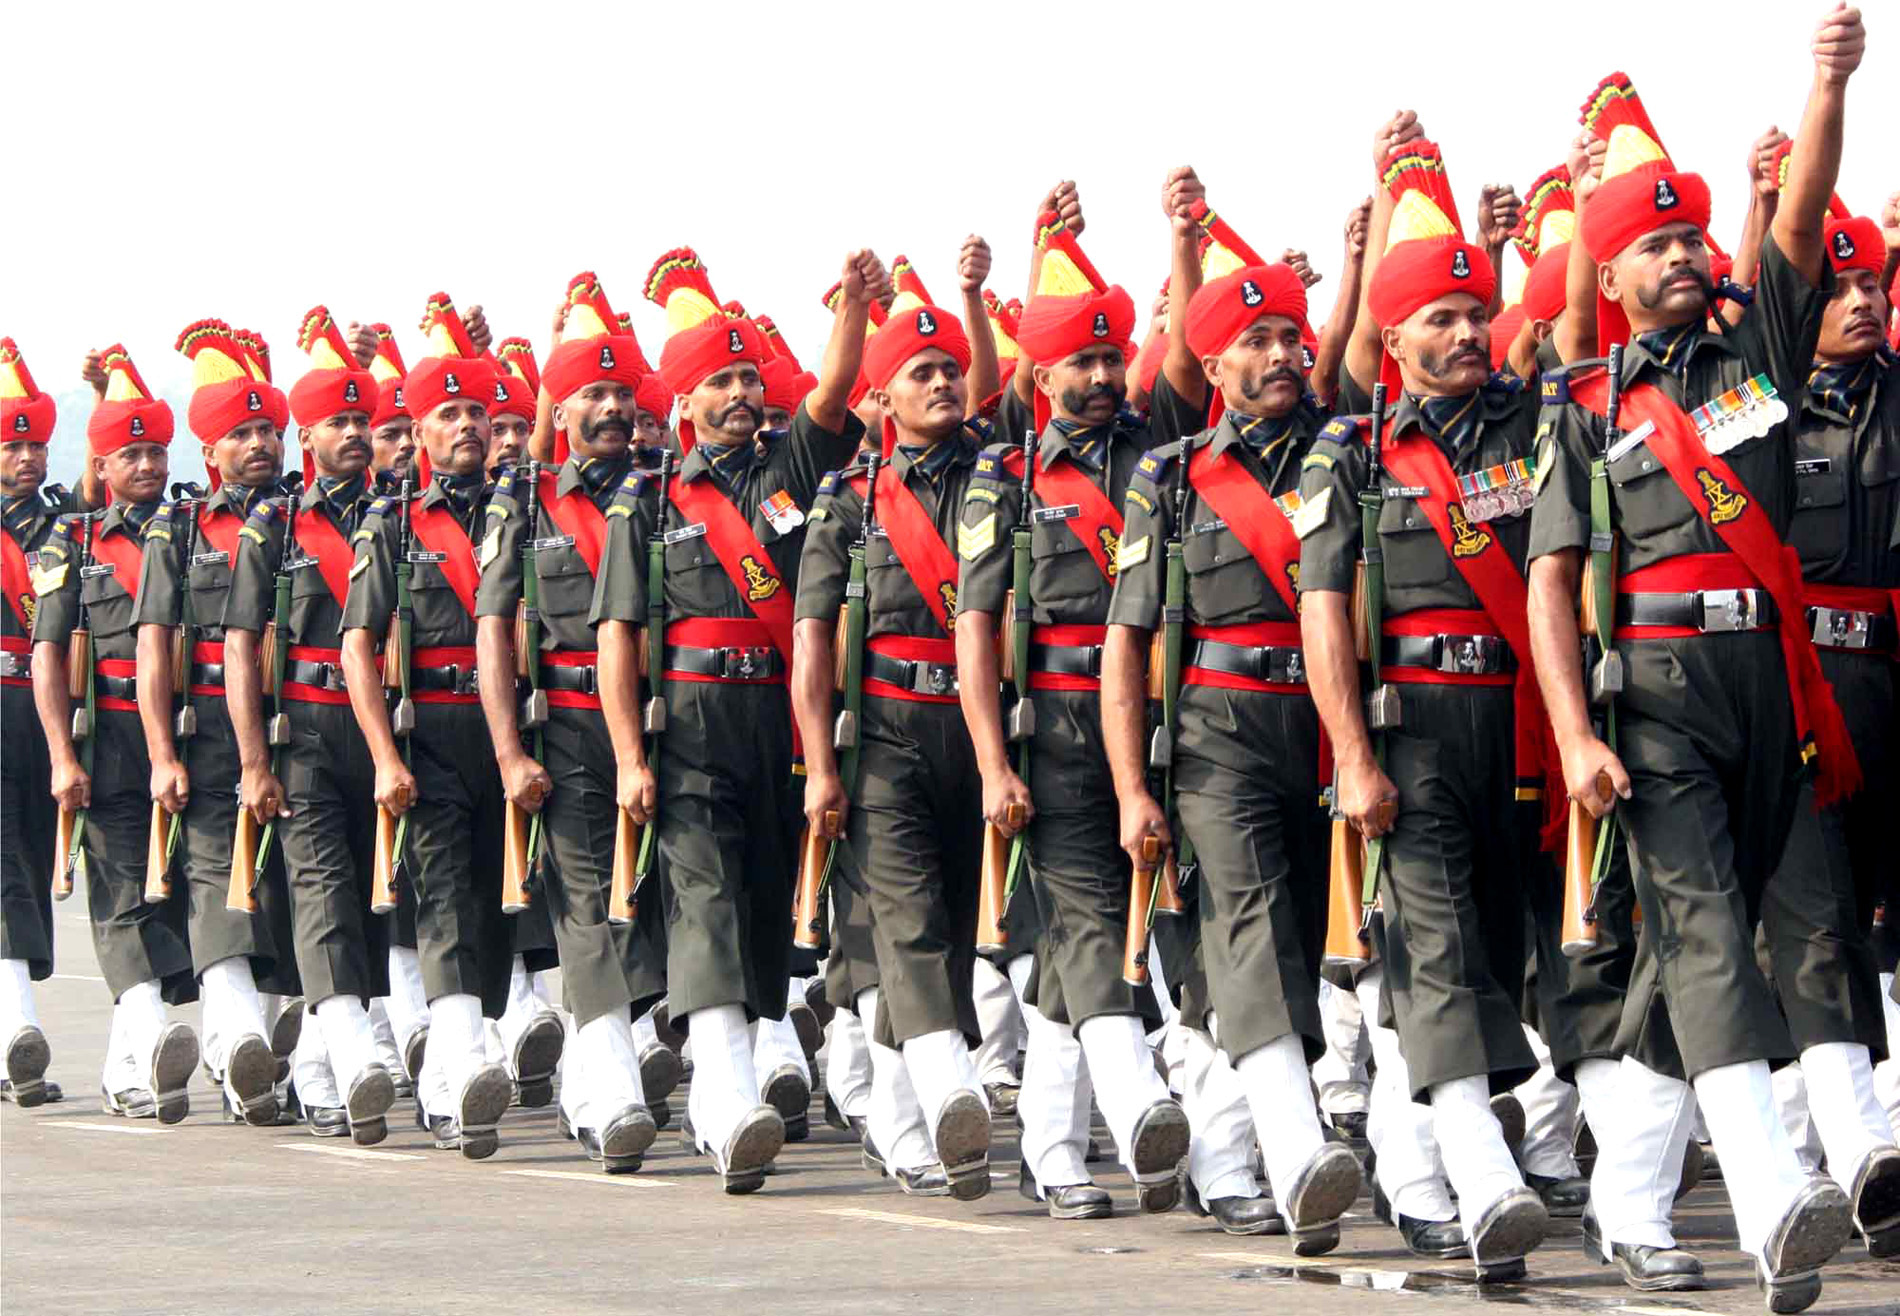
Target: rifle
398	646
521	831
1590	843
162	843
817	854
250	847
1019	724
69	837
1382	703
636	847
1141	896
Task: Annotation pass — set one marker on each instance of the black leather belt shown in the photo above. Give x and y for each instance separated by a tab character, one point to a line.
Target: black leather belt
454	678
115	687
912	674
1277	664
324	676
1712	611
207	674
16	664
1066	659
1846	628
743	663
1455	655
586	680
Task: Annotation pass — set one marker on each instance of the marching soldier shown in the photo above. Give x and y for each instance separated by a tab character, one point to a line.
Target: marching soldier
1712	733
85	578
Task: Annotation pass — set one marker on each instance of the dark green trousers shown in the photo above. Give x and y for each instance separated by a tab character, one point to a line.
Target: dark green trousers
28	823
453	857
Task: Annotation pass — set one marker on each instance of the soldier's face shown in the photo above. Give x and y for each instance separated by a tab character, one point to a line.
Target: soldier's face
869	413
729	405
927	396
251	455
1262	372
1661	280
599	418
777	418
456	436
1444	347
22	467
509	441
135	473
1087	387
393	446
340	443
1855	322
649	431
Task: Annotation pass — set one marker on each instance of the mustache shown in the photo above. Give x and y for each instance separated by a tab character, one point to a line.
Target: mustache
1692	276
724	418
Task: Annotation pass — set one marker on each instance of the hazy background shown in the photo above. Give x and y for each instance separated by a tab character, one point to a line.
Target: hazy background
167	162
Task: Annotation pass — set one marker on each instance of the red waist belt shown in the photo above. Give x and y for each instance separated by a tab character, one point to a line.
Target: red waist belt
121	674
723	650
1465	648
911	667
329	662
17	668
208	653
571	678
444	674
1066	657
1261	655
1856	618
1693	574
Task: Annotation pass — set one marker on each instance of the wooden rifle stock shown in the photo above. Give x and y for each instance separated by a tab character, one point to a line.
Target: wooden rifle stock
1141	895
1580	858
395	653
62	854
158	857
78	664
992	897
515	859
621	905
1168	886
267	642
1345	896
382	886
814	857
240	895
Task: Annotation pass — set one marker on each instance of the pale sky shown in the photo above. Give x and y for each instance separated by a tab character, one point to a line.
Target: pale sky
168	162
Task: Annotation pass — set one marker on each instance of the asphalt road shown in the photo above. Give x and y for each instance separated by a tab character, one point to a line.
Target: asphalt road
114	1216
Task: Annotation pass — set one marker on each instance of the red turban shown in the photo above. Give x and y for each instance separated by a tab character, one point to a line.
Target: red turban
113	425
390	405
1053	327
1419	272
1504	331
439	379
693	354
785	384
512	397
27	419
578	362
1856	244
1147	362
906	334
321	394
217	409
652	396
1221	310
1632	204
1544	288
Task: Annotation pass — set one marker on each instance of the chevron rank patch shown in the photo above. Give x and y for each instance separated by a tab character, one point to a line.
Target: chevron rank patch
1132	553
973	541
1312	514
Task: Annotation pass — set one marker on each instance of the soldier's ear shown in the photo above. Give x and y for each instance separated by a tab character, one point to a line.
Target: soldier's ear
1210	366
1607	281
1040	374
1390	337
560	418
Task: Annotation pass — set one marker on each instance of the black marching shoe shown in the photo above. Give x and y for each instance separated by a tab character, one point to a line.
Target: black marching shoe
536	1054
50	1092
837	1119
662	1113
1003	1098
742	1162
367	1105
27	1057
1324	1188
1646	1269
1563	1197
1237	1215
1877	1203
1423	1238
286	1029
811	1034
787	1092
174	1056
484	1099
413	1052
660	1071
1511	1228
327	1121
1810	1231
869	1156
1159	1143
251	1074
129	1103
1072	1201
1352	1123
1509	1112
924	1181
961	1136
621	1146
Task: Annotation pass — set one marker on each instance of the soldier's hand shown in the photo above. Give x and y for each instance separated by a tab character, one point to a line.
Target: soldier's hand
1300	265
476	322
1585	163
973	264
1001	791
824	793
1584	762
362	343
1395	132
1179	191
1066	201
1363	793
525	782
72	787
1762	174
395	787
1498	211
262	794
1890	222
636	791
1141	818
1358	225
860	278
1839	42
171	785
93	371
560	323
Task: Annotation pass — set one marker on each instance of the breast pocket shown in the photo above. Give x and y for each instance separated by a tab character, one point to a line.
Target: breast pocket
1061	568
1818	528
209	583
1224	581
1414	555
566	586
1649	504
439	610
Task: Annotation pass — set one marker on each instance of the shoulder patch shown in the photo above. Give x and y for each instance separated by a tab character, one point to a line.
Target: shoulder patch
1553	386
830	483
988	465
634	485
1132	553
1139	499
380	507
983	494
1503	381
1317	461
1339	429
159	527
1150	465
265	512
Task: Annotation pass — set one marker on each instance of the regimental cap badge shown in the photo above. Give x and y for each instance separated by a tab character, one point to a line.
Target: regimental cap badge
1843	245
734	343
926	323
1101	324
1460	266
501	391
1306	356
20	423
400	404
349	391
252	402
1250	293
606	357
138	426
1666	198
451	384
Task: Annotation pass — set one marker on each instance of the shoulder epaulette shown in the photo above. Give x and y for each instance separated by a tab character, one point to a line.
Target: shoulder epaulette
1502	381
980	429
999	461
632	485
266	511
1340	429
504	486
1155	461
379	506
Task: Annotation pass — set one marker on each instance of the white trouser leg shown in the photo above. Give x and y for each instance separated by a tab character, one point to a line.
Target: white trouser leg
776	1044
1641	1121
725	1085
1053	1105
1398	1128
1341	1073
456	1050
848	1064
1280	1095
575	1077
645	1034
1759	1166
144	1010
388	1054
232	1009
894	1117
1847	1115
1169	1041
407	1004
1550	1117
939	1065
1471	1145
999	1021
1126	1084
611	1069
522	1009
1791	1104
1887	1072
348	1039
310	1070
1220	1146
16	998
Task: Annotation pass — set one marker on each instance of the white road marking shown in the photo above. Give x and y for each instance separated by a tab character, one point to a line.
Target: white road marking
922	1221
76	977
1280	1259
1657	1311
349	1153
631	1180
100	1128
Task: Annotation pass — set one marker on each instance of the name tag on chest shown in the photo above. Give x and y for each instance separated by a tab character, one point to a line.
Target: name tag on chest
1209	527
299	563
553	541
1407	491
694	531
1044	515
210	559
98	569
1814	466
423	555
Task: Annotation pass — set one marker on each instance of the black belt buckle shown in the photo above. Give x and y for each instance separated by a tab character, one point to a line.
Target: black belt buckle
747	662
1292	669
1468	655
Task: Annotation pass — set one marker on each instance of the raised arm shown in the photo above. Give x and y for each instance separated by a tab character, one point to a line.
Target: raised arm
1815	163
1363	349
1179	192
973	271
864	279
1323	379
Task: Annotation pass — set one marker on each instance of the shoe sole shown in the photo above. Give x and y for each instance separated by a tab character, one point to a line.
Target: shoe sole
367	1106
627	1140
821	1007
1877	1206
1512	1233
1790	1293
1160	1140
484	1099
27	1058
1332	1184
1509	1113
659	1073
963	1145
173	1059
414	1051
250	1073
662	1114
288	1028
936	1190
1093	1211
789	1095
805	1024
750	1150
537	1052
1883	1244
1823	1224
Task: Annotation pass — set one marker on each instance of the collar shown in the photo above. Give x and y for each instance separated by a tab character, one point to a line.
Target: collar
725	462
129	517
336	494
934	459
1842	390
23	514
238	499
1451	422
593	474
1087	446
461	492
1262	435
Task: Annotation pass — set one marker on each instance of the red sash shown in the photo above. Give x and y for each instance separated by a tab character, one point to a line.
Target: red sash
918	545
579	517
16	579
1226	485
318	537
1505	598
441	534
1097	522
742	556
1736	517
126	555
221	529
